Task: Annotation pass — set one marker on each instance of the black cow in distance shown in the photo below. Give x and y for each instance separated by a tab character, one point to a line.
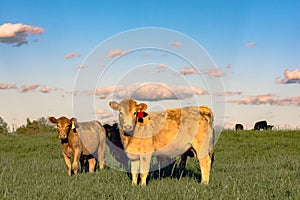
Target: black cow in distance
239	127
262	125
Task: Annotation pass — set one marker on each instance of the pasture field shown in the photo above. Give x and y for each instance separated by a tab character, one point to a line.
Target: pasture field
248	165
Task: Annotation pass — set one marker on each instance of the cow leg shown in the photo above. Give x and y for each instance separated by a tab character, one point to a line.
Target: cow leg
92	164
101	154
145	160
68	163
76	160
183	160
81	160
135	168
205	165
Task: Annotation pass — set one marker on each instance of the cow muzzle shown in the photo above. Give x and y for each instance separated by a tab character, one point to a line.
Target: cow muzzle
62	136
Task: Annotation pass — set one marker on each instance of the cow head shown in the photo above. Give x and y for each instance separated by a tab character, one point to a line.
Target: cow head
130	113
64	125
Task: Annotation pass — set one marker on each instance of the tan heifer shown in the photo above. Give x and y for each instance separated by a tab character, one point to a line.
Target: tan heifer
78	139
170	133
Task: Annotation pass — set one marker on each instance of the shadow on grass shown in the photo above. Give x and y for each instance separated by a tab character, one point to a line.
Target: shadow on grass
173	171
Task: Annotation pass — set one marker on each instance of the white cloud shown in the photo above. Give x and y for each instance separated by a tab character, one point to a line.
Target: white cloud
214	72
188	71
270	99
149	91
290	77
228	93
103	114
17	34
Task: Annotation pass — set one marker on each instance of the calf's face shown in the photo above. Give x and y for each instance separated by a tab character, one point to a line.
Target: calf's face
128	112
63	126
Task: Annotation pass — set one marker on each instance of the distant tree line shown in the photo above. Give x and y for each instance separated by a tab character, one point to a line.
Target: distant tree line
41	125
3	127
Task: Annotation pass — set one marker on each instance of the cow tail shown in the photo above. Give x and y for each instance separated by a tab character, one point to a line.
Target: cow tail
207	114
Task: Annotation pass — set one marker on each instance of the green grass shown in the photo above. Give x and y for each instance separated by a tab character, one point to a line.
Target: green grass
248	165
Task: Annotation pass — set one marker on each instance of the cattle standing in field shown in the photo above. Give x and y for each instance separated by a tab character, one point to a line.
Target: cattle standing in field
78	139
115	144
269	127
170	133
239	127
260	125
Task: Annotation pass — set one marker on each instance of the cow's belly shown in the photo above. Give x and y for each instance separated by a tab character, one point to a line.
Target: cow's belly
173	149
173	144
90	141
133	156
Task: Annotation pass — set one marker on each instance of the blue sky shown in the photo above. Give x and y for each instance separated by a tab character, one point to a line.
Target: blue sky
255	46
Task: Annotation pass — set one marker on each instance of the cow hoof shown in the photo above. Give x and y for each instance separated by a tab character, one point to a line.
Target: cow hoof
204	182
101	166
143	184
134	183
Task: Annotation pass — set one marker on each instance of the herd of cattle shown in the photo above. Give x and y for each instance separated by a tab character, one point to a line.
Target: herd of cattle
140	135
261	125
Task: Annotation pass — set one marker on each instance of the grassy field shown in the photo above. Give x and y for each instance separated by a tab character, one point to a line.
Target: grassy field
248	165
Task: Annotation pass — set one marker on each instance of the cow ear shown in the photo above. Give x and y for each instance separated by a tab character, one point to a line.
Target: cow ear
141	107
53	120
73	120
114	105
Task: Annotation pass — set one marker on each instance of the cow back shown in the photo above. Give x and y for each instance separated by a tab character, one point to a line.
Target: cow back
90	133
171	132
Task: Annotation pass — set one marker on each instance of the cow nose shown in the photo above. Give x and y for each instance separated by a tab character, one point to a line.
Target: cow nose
127	127
62	136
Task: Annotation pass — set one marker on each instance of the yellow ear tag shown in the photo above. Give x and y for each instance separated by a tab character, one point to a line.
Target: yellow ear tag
73	125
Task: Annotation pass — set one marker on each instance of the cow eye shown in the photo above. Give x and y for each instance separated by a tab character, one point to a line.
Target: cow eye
135	113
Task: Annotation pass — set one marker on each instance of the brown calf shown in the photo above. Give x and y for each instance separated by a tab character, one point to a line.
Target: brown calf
78	139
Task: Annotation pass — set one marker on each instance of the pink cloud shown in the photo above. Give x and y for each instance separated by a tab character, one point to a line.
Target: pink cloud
188	71
149	91
162	65
214	72
199	91
29	88
17	34
5	86
163	54
45	90
103	93
82	67
228	93
250	44
72	55
290	77
175	44
270	99
115	52
146	54
103	113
